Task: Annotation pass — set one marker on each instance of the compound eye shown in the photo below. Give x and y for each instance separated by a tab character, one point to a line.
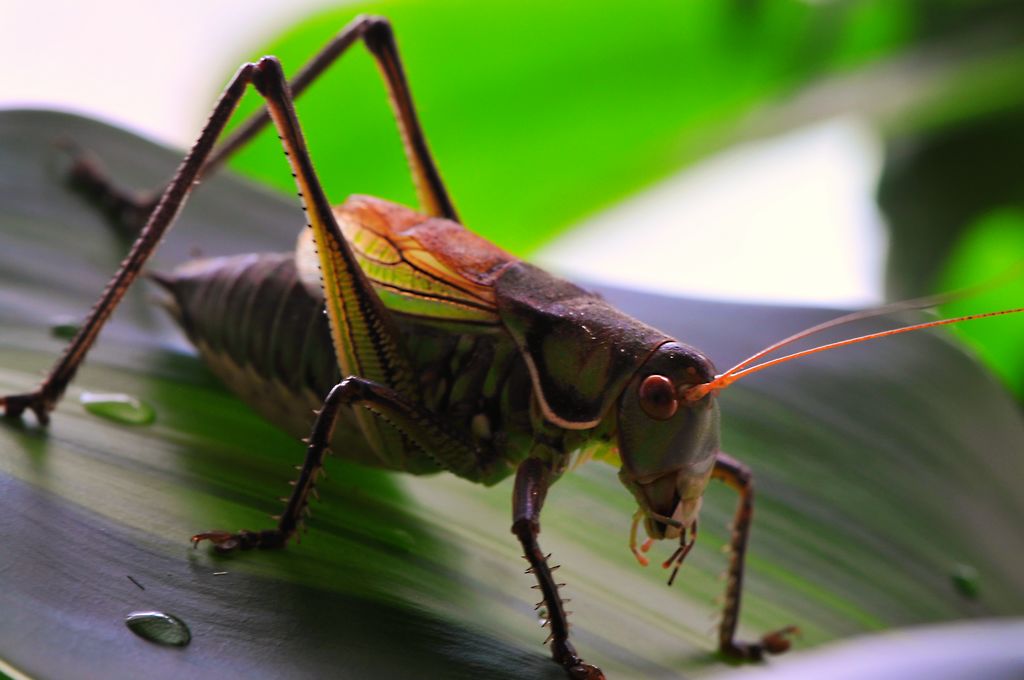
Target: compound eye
658	397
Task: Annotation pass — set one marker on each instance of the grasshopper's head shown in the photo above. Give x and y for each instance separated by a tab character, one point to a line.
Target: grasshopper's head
668	421
668	443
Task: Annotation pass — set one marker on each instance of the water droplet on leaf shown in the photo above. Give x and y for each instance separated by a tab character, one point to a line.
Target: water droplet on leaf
64	328
123	408
965	580
158	627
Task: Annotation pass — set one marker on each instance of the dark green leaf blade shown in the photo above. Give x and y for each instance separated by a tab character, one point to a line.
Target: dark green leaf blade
880	470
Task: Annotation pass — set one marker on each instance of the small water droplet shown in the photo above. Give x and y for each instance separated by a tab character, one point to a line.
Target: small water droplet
123	408
542	615
965	580
158	627
64	327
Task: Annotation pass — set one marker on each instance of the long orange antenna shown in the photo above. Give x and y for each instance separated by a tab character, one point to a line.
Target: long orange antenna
920	303
732	375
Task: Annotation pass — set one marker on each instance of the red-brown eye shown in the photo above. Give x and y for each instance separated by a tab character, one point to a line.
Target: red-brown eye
658	397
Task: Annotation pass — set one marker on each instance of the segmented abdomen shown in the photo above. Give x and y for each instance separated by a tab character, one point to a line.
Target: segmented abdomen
254	310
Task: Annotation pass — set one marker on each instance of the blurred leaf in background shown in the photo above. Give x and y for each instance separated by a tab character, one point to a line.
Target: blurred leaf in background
948	165
992	245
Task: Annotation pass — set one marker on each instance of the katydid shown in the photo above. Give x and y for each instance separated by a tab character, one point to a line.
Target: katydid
439	351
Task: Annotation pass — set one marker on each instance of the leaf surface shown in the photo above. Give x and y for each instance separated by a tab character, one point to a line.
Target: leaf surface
881	472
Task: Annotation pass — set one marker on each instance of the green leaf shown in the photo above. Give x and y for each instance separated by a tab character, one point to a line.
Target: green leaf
881	472
991	249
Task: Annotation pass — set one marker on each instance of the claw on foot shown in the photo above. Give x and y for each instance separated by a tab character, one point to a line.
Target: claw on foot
226	541
14	405
223	541
565	654
779	641
775	642
584	671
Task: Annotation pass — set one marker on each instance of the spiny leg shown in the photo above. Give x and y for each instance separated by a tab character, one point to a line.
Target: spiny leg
289	521
421	427
128	209
44	398
738	476
531	487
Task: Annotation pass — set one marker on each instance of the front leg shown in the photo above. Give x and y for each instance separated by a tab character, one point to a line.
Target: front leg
738	476
532	480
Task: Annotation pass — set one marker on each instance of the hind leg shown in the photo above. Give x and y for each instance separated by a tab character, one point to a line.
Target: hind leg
44	398
204	157
128	210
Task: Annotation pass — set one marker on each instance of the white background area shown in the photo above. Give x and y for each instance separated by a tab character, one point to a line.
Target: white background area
790	219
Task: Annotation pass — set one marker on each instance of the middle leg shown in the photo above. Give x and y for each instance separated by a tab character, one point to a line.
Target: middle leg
738	476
